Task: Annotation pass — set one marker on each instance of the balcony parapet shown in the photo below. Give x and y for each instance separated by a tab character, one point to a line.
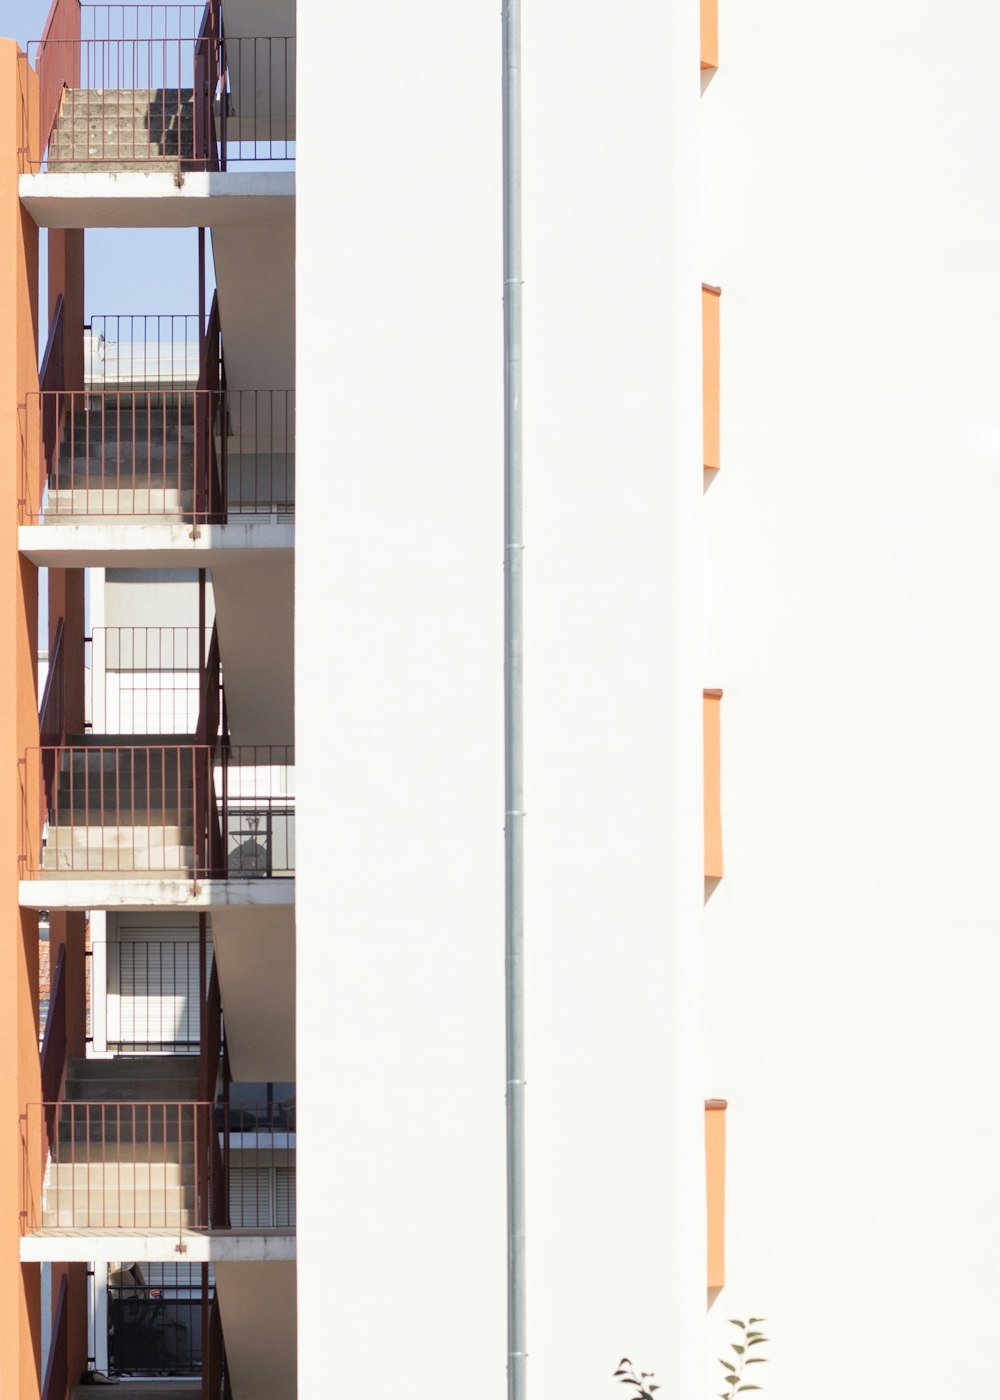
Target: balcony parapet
108	1166
164	455
136	811
159	88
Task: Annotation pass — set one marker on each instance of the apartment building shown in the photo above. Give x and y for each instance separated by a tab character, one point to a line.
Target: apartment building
149	1208
252	1023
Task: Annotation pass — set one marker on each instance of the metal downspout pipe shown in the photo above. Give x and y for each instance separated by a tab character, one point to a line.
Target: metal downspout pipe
513	700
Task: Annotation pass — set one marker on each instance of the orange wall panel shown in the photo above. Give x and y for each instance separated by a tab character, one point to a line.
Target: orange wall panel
715	1186
20	1294
710	356
709	34
712	721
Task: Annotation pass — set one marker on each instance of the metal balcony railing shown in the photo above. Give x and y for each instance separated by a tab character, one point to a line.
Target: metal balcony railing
107	1165
152	995
143	680
146	351
155	1330
159	87
188	810
199	455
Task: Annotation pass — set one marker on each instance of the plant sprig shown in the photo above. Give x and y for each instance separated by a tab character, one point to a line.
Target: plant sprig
735	1370
643	1382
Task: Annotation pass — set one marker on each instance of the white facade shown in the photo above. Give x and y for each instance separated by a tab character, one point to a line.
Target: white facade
399	686
853	574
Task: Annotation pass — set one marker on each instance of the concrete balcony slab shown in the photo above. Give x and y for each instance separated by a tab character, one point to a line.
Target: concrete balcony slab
158	198
147	544
70	1246
137	893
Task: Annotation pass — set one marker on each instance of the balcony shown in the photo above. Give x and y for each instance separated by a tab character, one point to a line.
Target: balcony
159	88
191	811
153	1166
182	456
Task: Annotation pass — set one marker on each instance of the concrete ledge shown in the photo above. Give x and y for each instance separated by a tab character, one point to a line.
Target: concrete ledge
144	544
166	893
159	1246
158	198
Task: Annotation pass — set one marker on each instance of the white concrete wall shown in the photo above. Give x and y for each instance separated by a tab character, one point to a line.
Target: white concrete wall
853	224
399	688
398	683
616	1187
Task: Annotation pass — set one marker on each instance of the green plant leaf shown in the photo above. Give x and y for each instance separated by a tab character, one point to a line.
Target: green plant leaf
737	1323
737	1348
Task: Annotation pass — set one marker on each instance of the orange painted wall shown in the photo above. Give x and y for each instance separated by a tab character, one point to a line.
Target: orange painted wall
712	721
715	1186
710	354
20	1080
709	34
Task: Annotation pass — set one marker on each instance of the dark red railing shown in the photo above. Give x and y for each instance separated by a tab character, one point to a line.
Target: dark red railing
190	810
212	699
209	81
52	712
210	486
195	98
121	1165
55	1043
56	1383
215	1384
145	680
55	60
201	455
141	351
213	1201
51	381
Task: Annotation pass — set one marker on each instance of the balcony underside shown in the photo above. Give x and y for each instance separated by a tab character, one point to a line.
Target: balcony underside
69	1246
158	198
125	544
138	892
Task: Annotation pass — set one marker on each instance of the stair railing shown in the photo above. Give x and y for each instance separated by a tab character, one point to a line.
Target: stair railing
209	67
210	406
52	717
56	1383
210	836
57	61
53	399
215	1382
213	1202
55	1044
